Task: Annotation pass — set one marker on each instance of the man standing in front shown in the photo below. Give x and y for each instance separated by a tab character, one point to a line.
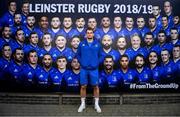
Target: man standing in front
89	55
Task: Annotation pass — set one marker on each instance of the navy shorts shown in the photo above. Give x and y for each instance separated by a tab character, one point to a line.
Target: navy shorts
93	76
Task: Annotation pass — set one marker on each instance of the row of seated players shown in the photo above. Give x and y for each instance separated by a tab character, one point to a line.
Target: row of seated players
16	74
121	47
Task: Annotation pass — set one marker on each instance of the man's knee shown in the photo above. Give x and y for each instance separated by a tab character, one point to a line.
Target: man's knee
83	87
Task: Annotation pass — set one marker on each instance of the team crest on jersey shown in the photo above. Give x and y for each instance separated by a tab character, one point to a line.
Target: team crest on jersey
15	70
56	77
29	74
41	76
83	44
70	78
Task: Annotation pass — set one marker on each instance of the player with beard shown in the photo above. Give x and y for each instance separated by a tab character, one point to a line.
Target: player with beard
121	45
75	41
29	26
72	78
80	27
107	49
43	75
143	73
106	29
17	23
176	21
128	75
155	68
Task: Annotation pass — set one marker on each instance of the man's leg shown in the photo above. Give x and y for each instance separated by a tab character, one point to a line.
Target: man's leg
96	98
83	98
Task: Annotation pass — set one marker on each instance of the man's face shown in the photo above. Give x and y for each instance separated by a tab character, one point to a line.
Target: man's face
61	63
25	8
176	52
139	62
75	42
117	22
47	61
152	22
156	11
67	22
75	64
92	23
17	19
121	43
165	56
7	52
140	22
44	22
19	56
31	21
129	22
124	62
90	34
33	58
60	42
167	7
55	23
108	63
149	40
80	23
161	38
174	34
6	32
12	7
135	42
164	21
176	20
34	39
105	22
153	58
46	40
20	36
106	42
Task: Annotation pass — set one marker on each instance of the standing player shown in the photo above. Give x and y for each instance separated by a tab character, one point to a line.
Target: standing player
176	21
128	75
74	45
29	26
144	74
141	26
25	12
174	37
92	23
155	68
68	31
168	12
55	26
156	11
80	27
89	56
168	67
8	18
107	49
176	59
17	23
47	45
72	78
110	77
118	26
121	45
165	26
61	49
106	29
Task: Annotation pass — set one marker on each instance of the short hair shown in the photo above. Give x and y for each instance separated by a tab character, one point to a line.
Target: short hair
32	33
10	1
17	31
108	56
16	50
149	33
174	28
47	33
162	31
59	36
124	56
176	46
89	28
141	56
61	57
31	51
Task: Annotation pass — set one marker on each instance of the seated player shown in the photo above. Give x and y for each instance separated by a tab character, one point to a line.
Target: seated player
156	70
74	45
72	78
168	67
29	70
56	79
5	61
128	75
43	75
174	37
176	60
110	79
176	21
143	73
121	45
61	49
